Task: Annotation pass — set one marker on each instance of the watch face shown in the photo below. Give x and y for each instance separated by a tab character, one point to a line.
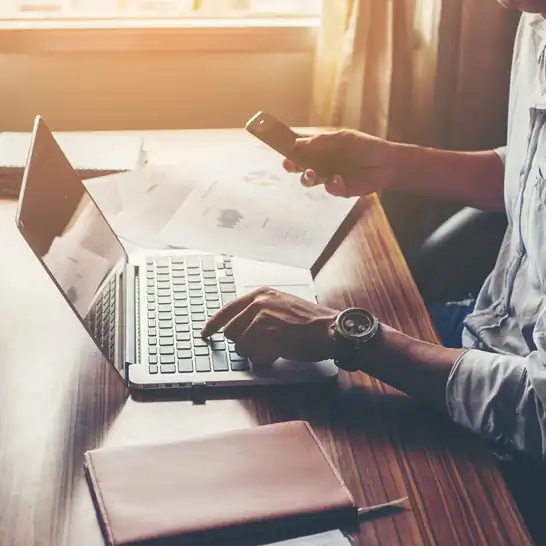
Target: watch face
357	324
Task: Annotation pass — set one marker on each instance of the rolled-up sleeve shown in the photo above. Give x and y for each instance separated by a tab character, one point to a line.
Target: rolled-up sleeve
502	398
501	152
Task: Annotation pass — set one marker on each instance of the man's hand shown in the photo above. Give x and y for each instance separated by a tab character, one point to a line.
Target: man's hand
266	325
362	163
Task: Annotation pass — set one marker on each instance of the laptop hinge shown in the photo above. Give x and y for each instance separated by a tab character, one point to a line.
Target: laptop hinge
130	313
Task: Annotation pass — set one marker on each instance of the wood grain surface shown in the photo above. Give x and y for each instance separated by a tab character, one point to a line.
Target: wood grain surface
59	398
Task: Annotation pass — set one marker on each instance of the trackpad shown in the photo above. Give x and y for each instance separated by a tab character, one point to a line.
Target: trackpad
302	291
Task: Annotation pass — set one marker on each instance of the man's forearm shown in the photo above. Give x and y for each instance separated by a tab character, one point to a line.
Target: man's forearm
415	367
470	178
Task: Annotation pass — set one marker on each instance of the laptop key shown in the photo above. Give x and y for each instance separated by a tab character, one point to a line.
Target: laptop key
152	323
202	364
166	341
180	311
153	369
166	333
165	324
228	288
201	351
165	316
197	301
198	342
152	332
183	354
167	359
215	338
177	259
226	280
197	309
208	263
218	345
151	314
212	297
209	275
183	336
163	292
161	261
183	345
167	350
168	368
192	261
179	289
240	365
164	308
198	317
152	359
185	365
152	350
211	289
197	326
182	303
182	328
209	282
182	319
219	361
152	341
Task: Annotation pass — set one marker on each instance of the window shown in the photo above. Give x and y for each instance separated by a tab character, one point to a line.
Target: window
149	9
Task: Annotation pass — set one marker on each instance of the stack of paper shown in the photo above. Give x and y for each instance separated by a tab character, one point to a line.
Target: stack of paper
237	203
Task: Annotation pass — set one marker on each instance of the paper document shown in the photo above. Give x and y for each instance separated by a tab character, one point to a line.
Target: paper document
330	538
252	208
241	203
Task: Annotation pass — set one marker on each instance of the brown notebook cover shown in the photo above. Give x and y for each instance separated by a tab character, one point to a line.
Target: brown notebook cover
271	481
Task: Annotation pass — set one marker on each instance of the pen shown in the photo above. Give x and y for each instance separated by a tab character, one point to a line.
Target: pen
386	507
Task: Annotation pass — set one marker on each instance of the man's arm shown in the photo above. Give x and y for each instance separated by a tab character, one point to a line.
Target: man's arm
364	164
499	397
412	366
471	178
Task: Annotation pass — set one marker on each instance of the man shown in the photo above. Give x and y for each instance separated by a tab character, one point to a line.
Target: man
494	383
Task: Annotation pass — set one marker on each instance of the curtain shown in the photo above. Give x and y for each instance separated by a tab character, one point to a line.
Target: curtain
424	71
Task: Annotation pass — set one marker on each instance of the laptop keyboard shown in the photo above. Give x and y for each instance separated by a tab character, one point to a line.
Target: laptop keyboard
101	320
181	293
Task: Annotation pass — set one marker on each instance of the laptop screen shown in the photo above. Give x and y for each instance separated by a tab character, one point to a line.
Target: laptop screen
65	228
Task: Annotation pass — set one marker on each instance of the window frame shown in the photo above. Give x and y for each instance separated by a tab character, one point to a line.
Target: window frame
193	34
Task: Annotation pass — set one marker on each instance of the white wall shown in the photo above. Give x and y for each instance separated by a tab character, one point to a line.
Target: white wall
151	90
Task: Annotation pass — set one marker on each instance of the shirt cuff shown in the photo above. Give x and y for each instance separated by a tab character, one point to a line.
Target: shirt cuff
501	152
482	393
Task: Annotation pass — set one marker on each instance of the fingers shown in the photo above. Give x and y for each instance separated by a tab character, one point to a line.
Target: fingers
257	344
227	314
336	186
290	166
309	178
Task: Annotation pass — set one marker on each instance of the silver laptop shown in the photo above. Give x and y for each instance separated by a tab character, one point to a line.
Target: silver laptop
145	309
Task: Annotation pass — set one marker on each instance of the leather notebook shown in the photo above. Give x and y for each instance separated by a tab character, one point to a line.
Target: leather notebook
249	486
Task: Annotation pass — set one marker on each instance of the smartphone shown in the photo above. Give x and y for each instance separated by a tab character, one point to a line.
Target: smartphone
281	138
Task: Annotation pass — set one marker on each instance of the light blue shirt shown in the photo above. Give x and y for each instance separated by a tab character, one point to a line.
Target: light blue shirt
498	387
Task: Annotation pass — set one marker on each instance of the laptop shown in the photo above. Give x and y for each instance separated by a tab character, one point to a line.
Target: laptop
145	309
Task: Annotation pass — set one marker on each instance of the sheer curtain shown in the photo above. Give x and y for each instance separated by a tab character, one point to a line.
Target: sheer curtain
433	72
418	70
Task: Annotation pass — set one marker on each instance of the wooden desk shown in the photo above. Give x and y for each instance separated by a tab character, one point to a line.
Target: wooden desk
58	398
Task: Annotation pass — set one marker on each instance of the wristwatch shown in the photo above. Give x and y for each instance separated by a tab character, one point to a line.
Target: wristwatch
354	329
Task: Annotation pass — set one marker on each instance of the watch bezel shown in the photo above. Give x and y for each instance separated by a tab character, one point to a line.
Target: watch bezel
360	338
